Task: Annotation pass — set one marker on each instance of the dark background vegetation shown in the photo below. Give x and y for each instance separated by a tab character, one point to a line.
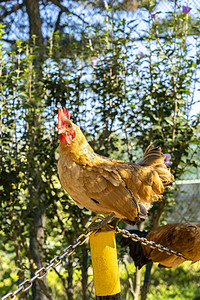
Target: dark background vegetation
128	72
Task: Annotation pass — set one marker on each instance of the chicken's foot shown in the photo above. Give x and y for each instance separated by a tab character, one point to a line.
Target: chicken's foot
104	223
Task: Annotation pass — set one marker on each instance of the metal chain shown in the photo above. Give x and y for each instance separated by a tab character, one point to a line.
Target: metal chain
125	233
42	272
53	263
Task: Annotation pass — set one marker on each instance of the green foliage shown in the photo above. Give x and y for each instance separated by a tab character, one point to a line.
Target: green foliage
179	283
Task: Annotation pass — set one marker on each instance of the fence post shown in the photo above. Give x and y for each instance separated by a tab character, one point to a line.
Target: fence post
105	265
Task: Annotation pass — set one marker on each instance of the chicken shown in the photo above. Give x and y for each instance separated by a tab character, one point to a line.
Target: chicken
108	186
183	238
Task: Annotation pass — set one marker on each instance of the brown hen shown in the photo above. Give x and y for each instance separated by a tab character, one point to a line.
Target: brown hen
108	186
181	237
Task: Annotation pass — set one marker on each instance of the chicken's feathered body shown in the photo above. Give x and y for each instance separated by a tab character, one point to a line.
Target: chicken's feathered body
181	237
105	185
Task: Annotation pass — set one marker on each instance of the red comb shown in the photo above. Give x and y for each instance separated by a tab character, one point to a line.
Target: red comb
63	115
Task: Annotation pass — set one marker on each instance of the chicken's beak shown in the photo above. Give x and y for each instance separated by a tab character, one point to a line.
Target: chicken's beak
61	131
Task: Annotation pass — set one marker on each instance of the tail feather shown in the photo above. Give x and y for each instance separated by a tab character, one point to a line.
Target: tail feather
152	156
155	158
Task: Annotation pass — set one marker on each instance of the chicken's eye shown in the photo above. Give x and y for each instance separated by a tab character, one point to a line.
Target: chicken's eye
69	125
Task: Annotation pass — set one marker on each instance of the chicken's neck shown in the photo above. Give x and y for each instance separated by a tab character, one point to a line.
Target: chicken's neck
79	150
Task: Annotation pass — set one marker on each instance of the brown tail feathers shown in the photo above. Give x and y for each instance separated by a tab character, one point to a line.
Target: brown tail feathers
155	158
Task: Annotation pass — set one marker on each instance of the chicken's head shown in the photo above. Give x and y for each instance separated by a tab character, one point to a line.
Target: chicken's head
66	129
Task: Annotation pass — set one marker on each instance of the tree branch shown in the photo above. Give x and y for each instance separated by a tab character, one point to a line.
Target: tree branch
65	9
58	21
12	10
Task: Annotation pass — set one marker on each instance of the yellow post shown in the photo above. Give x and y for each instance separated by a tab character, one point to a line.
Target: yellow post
105	265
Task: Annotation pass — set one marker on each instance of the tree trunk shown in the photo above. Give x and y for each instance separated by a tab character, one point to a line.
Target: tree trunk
147	281
70	278
84	269
35	22
156	222
138	272
40	289
137	284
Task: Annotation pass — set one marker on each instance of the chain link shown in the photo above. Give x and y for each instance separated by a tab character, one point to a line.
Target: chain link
54	262
125	233
42	272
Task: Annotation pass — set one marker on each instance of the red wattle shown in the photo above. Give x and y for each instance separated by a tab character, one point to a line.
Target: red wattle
62	139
